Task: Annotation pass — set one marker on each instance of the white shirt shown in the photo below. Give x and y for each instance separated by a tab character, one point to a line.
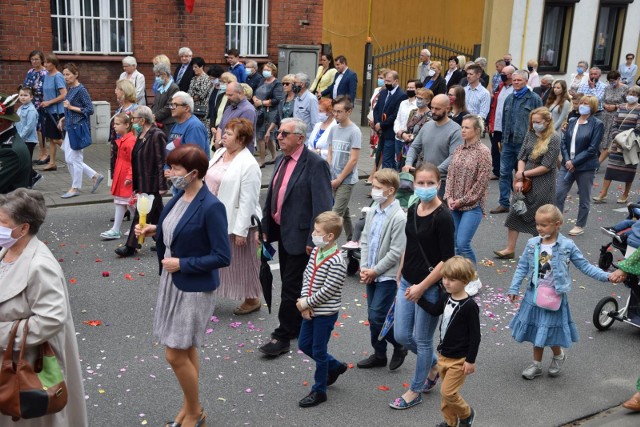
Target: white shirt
339	77
400	124
572	151
502	96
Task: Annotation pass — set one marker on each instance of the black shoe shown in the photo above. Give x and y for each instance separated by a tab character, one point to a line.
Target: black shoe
43	162
35	180
275	347
468	421
332	376
372	361
153	248
398	358
124	251
313	399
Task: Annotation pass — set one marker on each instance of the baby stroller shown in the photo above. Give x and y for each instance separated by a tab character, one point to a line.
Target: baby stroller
606	311
618	239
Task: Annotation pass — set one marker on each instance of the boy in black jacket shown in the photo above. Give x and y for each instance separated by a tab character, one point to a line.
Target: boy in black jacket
459	339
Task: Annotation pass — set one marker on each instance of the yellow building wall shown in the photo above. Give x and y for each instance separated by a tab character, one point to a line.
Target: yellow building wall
496	31
345	25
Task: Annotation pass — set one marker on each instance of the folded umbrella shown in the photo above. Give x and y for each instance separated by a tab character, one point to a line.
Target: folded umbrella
388	322
266	253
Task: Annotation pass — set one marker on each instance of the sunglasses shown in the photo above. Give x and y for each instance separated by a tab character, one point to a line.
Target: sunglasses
286	84
285	134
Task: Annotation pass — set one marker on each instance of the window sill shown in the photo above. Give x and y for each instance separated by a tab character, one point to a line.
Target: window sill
91	57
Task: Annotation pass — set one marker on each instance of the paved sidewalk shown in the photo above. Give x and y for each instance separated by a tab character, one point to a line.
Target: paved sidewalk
613	417
56	183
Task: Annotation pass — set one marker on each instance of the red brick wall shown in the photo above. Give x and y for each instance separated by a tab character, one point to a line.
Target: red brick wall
159	26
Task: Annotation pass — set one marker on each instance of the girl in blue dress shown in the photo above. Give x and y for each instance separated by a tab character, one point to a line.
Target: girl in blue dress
539	326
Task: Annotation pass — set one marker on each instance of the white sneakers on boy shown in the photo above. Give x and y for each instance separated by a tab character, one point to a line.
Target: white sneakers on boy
473	287
532	371
556	364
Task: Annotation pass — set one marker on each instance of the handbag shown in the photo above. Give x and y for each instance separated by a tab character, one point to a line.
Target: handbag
260	116
31	391
544	295
79	135
199	111
527	183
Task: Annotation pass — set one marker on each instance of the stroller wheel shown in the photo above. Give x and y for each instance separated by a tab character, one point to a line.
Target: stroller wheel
605	261
601	319
353	264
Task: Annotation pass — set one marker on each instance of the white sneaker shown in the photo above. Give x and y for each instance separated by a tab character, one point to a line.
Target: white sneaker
111	235
473	287
532	371
351	245
556	364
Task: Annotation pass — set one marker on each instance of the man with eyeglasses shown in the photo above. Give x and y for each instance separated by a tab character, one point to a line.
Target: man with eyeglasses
305	106
188	129
298	192
501	91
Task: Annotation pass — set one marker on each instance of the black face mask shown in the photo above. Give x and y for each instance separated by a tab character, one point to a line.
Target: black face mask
389	86
296	88
507	63
411	93
504	78
530	68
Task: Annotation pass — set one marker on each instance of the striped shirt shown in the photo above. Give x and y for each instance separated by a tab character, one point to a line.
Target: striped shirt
322	283
478	100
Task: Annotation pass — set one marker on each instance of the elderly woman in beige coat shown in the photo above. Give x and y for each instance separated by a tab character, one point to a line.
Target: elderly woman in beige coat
33	288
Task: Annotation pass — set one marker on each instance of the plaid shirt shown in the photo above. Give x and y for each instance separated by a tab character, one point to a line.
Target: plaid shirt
597	91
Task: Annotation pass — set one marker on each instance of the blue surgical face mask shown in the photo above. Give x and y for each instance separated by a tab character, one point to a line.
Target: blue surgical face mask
426	194
580	70
266	74
223	87
584	110
159	80
380	82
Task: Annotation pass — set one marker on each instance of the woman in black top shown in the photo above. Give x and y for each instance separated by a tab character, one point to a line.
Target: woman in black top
428	222
458	100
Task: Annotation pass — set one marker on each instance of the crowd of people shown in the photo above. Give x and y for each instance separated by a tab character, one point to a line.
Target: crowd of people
198	140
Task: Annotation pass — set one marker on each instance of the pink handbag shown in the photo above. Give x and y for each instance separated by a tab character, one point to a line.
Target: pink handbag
544	294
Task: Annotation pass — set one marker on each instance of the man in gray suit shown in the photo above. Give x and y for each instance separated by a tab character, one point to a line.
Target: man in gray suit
299	190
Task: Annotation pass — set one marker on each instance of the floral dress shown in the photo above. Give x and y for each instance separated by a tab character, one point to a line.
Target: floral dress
200	87
35	79
611	96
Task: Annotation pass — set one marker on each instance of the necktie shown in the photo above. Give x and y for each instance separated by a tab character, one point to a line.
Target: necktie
181	73
276	187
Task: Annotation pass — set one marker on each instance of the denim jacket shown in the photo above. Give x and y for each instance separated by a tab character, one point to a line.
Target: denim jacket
565	252
515	117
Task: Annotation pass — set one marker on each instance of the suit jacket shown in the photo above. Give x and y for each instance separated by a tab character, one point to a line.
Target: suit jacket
239	190
147	162
385	112
186	77
539	90
161	109
347	86
35	289
308	194
200	241
438	87
587	144
456	77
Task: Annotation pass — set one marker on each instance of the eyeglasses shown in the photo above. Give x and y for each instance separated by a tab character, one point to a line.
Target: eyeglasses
286	84
173	105
338	111
285	134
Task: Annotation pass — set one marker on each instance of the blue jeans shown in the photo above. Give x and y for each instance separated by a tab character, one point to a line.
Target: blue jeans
414	328
508	162
466	223
389	153
565	181
313	341
380	296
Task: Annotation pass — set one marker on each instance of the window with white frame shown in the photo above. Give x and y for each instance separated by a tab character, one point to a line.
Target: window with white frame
91	26
246	26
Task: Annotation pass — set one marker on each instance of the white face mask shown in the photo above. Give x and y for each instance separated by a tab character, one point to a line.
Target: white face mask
6	240
318	241
377	194
539	127
632	99
322	117
432	73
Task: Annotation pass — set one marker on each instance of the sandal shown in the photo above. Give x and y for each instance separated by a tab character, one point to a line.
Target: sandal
400	403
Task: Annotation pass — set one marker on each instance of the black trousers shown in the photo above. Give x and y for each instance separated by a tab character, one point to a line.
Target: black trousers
496	137
291	271
152	218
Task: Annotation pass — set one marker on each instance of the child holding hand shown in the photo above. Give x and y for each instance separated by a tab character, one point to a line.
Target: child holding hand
540	326
459	339
122	186
319	303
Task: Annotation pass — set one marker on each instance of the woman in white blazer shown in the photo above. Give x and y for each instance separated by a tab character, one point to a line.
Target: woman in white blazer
34	288
234	177
318	139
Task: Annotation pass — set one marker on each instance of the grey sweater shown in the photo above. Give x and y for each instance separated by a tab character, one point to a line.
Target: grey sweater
436	144
392	241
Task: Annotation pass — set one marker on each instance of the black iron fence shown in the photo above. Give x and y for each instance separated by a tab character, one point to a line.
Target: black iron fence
403	57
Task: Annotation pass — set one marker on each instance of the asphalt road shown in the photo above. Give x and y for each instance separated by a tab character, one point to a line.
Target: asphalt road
128	382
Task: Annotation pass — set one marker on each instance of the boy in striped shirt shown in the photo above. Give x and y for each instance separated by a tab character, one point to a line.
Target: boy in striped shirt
319	303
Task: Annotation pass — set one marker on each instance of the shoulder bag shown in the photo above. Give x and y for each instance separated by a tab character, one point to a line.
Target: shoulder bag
79	135
628	137
544	296
424	256
31	391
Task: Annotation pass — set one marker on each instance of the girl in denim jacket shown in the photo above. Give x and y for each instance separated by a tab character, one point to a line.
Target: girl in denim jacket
541	327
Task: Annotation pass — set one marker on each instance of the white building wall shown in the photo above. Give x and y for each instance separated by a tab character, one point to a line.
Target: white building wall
526	28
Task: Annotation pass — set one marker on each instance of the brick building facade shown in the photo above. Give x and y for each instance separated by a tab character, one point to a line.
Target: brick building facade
157	26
